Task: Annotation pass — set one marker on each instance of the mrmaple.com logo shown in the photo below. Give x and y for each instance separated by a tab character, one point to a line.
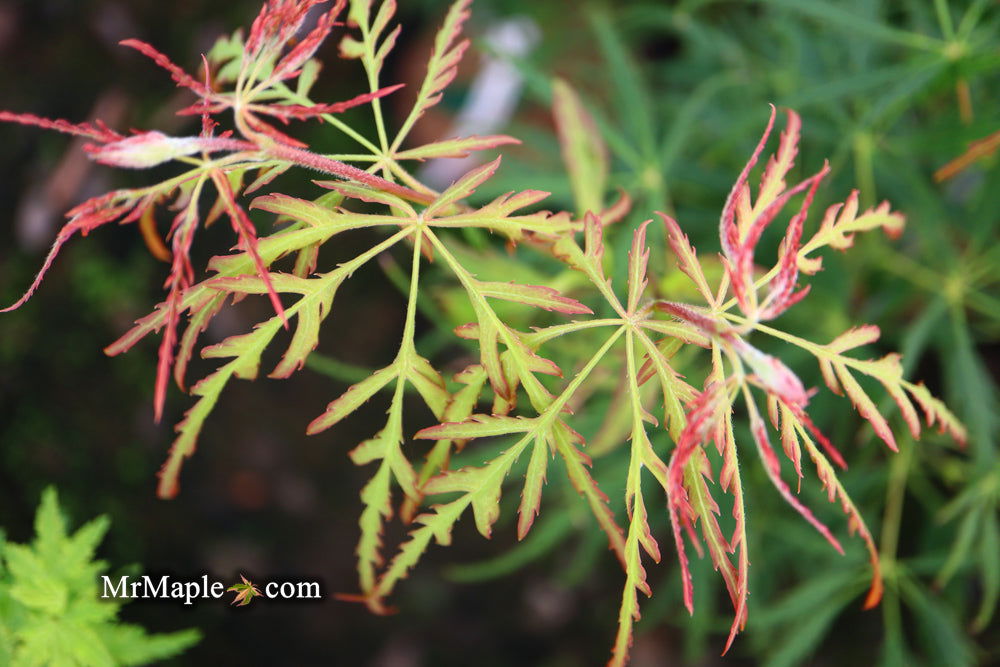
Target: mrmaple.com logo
167	588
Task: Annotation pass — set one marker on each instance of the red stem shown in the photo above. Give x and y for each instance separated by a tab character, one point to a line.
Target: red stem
324	164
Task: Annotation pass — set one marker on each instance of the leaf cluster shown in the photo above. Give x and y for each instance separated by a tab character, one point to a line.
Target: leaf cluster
51	612
898	96
669	341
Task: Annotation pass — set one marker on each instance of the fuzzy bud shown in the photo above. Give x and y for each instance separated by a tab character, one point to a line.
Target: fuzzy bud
774	377
144	150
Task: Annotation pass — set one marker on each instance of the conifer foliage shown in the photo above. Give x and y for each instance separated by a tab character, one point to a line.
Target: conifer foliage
684	438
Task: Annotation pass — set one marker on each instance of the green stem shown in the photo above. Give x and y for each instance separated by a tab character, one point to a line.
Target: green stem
971	18
411	305
864	149
431	311
369	63
292	96
895	495
542	336
944	19
336	369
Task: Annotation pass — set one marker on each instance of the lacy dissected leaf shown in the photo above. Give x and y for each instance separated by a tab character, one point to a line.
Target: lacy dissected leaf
456	148
439	524
709	413
459	409
538	296
841	222
687	258
441	66
274	53
639	536
772	465
838	372
793	429
497	216
704	512
642	455
674	391
385	447
744	222
481	487
245	350
730	481
584	154
479	426
375	44
376	495
521	363
197	297
264	63
352	399
318	294
700	424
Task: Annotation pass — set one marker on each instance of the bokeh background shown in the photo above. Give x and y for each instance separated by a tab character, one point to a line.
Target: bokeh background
889	91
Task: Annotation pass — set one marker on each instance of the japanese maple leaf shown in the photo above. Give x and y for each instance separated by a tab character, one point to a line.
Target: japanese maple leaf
245	592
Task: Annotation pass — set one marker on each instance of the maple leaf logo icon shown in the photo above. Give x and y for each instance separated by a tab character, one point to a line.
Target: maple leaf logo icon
245	592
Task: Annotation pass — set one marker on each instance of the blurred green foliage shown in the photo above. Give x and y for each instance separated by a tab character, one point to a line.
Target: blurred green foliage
50	608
